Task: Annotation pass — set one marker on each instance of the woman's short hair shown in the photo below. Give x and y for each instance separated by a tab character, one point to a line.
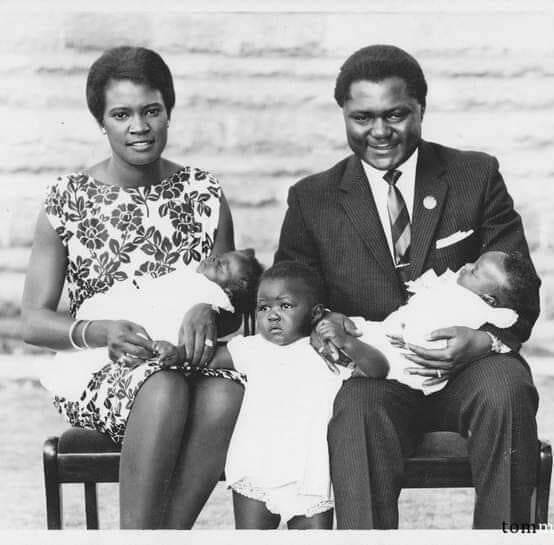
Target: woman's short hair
137	64
376	63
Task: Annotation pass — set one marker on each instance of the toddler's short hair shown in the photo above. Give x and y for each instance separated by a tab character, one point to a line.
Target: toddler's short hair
294	270
522	280
242	291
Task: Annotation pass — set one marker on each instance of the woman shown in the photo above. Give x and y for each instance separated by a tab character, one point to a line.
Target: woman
135	214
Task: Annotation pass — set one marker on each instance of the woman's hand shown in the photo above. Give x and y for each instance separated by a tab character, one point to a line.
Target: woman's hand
464	345
198	334
128	343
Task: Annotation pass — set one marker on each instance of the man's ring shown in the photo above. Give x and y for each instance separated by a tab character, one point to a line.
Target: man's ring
121	359
209	343
439	374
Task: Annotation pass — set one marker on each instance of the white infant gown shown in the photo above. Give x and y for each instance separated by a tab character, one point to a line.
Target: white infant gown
437	302
157	304
278	452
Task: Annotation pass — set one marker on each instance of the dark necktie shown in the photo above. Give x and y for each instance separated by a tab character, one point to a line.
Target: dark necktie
399	222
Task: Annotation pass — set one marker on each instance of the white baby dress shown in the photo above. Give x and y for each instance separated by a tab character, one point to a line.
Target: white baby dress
278	452
437	302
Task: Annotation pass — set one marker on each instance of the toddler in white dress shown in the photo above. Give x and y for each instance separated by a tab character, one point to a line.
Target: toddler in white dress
278	464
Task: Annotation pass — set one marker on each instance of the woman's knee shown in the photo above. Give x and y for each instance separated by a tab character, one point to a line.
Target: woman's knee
164	391
216	401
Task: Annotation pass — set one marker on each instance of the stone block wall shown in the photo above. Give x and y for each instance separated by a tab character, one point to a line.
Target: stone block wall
255	106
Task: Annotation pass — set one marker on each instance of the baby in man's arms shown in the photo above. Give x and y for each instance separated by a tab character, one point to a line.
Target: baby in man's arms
492	290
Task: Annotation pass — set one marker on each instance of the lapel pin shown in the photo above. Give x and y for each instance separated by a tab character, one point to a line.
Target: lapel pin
429	202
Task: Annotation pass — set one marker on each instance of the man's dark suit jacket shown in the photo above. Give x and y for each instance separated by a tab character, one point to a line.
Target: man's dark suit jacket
333	225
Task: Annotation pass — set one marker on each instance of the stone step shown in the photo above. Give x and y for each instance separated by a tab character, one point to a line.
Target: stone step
14	260
239	83
281	34
65	139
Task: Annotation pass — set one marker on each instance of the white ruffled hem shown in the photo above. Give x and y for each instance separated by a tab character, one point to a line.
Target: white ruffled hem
284	500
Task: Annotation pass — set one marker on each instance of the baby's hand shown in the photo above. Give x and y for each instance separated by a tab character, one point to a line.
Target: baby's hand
167	353
331	332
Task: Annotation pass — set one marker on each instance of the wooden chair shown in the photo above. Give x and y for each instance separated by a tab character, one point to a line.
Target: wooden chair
88	457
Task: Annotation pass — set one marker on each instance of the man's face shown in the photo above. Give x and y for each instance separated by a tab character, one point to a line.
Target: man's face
383	122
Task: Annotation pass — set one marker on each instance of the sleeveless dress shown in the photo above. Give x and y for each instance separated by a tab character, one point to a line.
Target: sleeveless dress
117	235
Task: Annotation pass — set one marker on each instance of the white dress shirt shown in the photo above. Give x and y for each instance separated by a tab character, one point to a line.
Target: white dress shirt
379	188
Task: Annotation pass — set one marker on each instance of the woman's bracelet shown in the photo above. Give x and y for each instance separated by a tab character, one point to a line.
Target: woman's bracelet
71	331
83	332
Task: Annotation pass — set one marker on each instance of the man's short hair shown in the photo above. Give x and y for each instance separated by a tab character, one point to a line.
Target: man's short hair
137	64
376	63
294	270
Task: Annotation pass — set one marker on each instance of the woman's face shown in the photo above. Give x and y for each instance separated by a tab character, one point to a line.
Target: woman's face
135	121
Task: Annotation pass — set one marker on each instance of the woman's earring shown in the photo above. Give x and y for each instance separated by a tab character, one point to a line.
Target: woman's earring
103	129
168	123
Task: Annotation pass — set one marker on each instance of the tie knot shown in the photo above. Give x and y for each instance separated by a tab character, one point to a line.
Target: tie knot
391	176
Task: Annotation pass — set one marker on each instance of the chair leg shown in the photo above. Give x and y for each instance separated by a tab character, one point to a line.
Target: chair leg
91	506
52	485
544	474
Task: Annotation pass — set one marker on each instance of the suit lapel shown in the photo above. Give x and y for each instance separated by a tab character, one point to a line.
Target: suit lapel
357	201
429	197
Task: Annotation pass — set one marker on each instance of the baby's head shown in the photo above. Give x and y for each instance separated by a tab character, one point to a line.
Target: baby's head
501	279
290	301
238	273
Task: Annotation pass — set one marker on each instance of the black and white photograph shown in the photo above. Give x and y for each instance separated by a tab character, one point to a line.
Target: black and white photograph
282	266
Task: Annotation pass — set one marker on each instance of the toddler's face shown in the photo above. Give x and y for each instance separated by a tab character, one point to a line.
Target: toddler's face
224	268
486	276
283	311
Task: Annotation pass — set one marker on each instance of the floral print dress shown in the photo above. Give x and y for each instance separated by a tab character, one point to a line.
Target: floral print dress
115	234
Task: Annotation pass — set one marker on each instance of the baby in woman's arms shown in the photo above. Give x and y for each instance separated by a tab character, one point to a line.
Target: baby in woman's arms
226	282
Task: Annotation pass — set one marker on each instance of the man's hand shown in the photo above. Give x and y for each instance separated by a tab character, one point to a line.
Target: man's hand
198	334
464	345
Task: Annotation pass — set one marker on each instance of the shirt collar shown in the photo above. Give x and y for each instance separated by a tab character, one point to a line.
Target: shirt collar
408	169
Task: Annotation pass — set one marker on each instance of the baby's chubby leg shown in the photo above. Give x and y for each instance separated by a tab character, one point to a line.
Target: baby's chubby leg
251	514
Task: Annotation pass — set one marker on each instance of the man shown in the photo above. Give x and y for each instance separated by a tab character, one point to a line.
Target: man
397	207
